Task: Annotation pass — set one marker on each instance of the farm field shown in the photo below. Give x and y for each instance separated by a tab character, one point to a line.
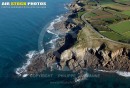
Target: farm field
106	1
91	15
127	34
122	28
126	12
123	1
112	35
117	6
112	20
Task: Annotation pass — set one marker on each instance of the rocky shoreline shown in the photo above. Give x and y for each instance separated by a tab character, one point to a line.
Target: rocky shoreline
77	59
94	58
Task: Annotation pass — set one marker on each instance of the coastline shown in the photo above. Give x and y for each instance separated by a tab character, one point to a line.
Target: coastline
43	61
51	29
31	54
120	73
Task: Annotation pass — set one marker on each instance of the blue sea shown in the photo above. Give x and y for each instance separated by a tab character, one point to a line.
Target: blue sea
26	30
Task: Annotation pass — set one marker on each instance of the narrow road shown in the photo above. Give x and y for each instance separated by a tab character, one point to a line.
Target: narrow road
89	25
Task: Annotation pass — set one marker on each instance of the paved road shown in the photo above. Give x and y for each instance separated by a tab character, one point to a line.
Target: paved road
89	25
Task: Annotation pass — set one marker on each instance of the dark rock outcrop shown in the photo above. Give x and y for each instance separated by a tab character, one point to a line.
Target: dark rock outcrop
74	7
41	62
98	58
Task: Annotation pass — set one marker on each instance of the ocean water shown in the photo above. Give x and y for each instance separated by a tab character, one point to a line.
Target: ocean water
20	30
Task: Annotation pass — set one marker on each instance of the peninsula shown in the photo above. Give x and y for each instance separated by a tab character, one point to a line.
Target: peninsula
98	37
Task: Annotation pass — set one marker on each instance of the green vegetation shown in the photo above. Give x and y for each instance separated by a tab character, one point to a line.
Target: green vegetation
121	27
81	39
110	20
105	1
122	1
113	36
126	13
127	34
80	13
87	38
89	15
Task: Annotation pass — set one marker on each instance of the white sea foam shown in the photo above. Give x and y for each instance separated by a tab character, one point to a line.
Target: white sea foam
82	77
42	51
121	73
106	71
21	70
25	75
124	74
51	25
52	41
48	31
51	28
65	6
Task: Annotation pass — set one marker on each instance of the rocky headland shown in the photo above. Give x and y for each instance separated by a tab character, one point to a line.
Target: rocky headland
76	59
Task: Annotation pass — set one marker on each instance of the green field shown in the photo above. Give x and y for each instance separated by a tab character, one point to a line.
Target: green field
127	34
121	27
126	13
106	1
89	15
112	35
112	21
122	1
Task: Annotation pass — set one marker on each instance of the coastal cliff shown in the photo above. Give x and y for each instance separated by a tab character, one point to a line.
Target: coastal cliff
77	59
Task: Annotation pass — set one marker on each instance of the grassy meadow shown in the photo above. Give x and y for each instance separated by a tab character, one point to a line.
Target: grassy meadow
121	28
